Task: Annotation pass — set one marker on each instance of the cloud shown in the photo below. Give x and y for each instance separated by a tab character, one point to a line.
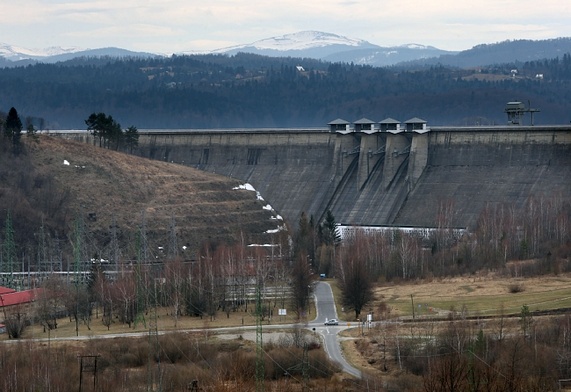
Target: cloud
168	26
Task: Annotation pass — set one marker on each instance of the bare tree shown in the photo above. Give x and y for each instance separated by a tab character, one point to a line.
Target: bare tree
174	277
408	249
301	284
16	320
354	277
78	304
49	303
124	299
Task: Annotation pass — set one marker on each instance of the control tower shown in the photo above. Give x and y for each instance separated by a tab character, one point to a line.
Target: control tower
515	111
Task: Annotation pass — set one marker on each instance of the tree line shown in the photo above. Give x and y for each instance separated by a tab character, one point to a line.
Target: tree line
211	91
109	133
518	242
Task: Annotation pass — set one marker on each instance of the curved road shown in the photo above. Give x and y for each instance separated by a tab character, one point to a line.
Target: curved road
325	306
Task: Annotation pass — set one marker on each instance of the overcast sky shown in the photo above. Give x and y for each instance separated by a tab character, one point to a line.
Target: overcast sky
173	26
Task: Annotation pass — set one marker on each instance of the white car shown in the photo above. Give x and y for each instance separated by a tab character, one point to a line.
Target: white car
332	322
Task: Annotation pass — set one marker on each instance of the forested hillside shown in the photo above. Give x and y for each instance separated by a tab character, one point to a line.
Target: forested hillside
245	90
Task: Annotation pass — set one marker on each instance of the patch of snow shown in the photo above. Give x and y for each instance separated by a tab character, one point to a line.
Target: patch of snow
249	187
246	186
299	41
263	245
102	261
66	162
274	231
414	46
18	53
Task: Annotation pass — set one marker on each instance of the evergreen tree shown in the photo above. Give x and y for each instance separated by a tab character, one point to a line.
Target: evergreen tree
105	128
329	231
131	138
13	129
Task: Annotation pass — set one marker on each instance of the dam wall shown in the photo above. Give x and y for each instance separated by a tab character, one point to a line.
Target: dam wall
400	177
293	170
469	169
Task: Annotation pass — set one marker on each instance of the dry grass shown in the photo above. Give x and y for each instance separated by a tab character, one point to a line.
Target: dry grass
164	321
479	295
114	186
485	296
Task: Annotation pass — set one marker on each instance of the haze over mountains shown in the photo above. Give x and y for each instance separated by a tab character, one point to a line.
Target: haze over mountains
327	47
250	90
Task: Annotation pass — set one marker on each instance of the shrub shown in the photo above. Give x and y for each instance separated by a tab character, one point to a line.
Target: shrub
516	288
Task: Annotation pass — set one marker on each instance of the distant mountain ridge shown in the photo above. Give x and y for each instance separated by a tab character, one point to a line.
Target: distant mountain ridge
334	48
504	52
16	53
327	47
11	55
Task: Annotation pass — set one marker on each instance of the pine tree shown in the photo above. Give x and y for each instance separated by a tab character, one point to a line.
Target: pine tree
13	129
329	231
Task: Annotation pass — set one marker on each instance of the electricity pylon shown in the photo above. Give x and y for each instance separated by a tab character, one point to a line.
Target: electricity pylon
260	368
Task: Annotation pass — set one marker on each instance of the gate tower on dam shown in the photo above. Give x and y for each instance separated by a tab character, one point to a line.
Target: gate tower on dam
380	173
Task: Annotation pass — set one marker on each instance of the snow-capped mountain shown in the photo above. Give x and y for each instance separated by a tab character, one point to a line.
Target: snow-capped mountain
334	48
15	53
11	55
386	56
323	46
302	40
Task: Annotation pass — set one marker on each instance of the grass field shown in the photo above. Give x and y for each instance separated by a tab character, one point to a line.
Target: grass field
164	321
477	295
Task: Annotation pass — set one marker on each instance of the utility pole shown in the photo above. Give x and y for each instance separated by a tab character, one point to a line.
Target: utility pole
88	364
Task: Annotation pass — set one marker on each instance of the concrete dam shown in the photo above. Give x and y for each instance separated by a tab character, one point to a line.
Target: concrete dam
380	174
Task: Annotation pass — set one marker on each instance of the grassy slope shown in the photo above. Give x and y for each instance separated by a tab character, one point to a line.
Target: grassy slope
110	185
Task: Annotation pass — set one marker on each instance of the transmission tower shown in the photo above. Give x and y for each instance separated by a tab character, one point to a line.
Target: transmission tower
78	265
154	348
260	368
140	289
173	244
114	246
305	367
8	259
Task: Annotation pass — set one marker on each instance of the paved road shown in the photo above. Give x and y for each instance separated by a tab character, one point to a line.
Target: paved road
325	305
